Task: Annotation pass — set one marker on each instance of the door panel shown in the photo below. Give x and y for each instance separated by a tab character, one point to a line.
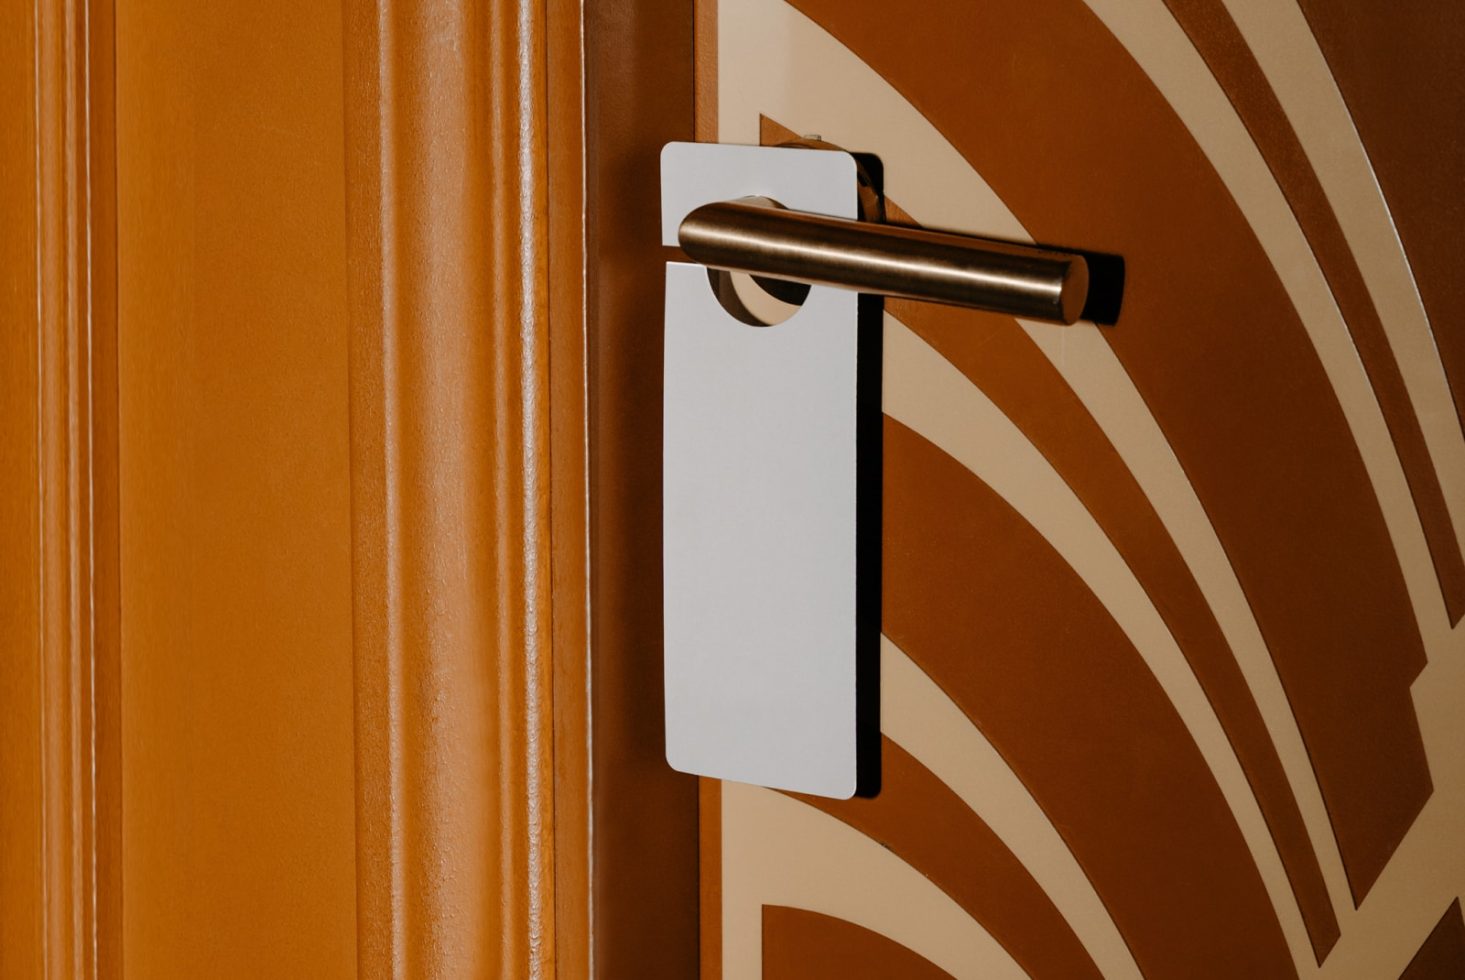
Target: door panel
238	814
1171	606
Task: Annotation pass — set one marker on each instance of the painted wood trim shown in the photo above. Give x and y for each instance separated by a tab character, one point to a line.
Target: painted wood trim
709	866
639	96
709	801
447	238
569	446
704	69
59	815
106	523
437	229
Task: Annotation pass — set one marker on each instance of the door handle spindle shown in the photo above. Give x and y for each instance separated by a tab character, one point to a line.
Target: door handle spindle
757	235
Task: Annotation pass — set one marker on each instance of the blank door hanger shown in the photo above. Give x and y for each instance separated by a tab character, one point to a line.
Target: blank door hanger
770	502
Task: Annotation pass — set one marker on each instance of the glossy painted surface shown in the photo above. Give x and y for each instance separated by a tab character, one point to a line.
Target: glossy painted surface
639	97
58	804
451	489
207	583
22	862
238	806
229	578
1172	606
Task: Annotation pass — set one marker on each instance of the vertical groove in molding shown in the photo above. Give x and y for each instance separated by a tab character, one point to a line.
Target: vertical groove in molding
569	500
99	26
447	266
58	425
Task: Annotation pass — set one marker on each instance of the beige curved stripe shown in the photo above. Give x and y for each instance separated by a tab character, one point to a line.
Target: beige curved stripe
778	851
1289	57
1162	49
776	61
923	720
1427	871
928	394
1104	386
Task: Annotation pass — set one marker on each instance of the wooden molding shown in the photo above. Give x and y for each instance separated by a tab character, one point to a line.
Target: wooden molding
59	816
469	395
639	96
467	465
569	405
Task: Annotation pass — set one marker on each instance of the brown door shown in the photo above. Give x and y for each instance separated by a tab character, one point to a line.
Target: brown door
1171	605
329	498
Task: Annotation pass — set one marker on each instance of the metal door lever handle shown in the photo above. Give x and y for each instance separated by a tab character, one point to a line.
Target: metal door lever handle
759	236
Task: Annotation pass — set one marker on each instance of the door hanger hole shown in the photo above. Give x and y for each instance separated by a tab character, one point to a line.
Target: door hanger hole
757	300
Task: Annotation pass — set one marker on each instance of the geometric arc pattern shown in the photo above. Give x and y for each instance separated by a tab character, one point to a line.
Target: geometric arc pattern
1268	439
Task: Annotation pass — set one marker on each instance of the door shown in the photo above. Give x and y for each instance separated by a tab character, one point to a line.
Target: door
1170	664
330	555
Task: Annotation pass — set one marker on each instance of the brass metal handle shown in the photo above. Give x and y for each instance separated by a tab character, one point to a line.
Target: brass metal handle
758	236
